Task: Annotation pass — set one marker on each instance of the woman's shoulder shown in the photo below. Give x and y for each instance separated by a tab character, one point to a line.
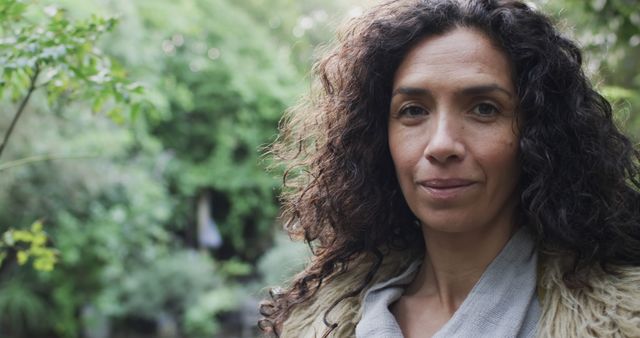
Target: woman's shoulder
609	306
307	320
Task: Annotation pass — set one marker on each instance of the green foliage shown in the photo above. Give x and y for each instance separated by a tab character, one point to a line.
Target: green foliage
609	32
302	25
283	260
46	50
236	268
198	319
118	197
23	310
29	244
173	282
93	209
229	83
60	56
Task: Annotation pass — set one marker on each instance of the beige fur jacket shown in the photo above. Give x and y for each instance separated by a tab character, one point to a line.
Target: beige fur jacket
609	308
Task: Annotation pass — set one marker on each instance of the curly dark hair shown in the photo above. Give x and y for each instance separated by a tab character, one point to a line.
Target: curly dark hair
580	181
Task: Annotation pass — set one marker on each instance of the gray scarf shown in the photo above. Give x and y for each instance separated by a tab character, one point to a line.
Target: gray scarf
503	303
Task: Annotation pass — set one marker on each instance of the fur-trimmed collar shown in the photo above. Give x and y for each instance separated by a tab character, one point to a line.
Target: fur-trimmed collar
609	307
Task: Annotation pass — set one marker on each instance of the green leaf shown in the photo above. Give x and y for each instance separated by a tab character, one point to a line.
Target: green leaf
98	102
135	111
23	257
36	227
8	238
116	114
615	93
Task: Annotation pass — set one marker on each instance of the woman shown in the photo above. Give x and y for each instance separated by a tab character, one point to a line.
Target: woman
456	175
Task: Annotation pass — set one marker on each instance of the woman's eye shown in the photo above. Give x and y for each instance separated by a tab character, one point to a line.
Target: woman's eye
412	111
485	110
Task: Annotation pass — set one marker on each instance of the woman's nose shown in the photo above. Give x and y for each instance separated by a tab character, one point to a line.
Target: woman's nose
444	142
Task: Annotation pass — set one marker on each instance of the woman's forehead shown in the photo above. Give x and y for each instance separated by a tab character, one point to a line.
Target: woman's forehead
463	54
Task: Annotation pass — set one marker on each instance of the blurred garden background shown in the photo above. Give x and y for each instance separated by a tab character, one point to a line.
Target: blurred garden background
134	196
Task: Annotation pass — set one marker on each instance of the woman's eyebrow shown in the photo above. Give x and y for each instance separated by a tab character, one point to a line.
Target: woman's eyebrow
485	89
472	90
410	91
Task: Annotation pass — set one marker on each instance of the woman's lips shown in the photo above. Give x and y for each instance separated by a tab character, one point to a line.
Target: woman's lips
445	189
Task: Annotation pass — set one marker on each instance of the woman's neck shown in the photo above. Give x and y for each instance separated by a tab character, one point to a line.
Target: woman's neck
454	262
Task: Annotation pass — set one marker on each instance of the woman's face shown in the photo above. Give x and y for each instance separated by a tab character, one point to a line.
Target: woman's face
452	133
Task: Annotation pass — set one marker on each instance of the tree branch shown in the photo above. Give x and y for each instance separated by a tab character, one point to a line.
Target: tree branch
42	158
23	104
8	261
